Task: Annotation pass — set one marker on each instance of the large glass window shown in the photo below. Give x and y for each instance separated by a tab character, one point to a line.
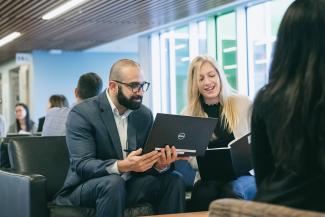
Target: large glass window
202	33
181	62
263	21
177	47
241	40
227	46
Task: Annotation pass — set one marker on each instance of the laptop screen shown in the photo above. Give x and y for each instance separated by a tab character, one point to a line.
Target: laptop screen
190	135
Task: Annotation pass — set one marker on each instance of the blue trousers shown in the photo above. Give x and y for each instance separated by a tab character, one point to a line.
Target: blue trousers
244	187
111	194
204	192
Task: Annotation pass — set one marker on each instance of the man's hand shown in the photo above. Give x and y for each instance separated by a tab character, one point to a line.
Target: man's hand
138	163
168	156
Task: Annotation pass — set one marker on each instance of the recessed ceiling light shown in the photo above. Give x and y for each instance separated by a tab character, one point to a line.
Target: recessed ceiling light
55	51
62	9
9	38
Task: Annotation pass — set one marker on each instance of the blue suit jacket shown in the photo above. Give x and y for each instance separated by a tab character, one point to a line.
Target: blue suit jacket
93	140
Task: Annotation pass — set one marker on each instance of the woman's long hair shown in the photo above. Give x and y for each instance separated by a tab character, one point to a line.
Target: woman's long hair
194	107
297	77
27	118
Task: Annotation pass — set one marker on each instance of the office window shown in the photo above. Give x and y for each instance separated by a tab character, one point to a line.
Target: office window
174	50
227	46
242	41
181	63
263	21
202	33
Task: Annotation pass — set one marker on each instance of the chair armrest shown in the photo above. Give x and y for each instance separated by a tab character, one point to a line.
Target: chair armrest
242	208
23	195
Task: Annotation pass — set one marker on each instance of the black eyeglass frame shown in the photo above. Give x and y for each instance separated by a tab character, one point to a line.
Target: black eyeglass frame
135	86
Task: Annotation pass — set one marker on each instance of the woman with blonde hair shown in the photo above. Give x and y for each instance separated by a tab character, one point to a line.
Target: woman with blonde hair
210	95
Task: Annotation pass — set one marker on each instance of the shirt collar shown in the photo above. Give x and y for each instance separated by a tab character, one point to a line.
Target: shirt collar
114	109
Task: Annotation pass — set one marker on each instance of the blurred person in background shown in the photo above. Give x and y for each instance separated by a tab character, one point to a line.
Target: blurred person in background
23	123
2	126
58	101
89	84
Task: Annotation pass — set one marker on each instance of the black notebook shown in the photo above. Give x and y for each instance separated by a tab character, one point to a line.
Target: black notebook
227	163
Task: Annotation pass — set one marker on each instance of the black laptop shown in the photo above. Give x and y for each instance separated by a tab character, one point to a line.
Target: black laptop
190	135
224	164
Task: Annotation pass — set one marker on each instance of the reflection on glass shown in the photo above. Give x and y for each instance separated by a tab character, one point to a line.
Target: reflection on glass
263	21
175	50
260	76
227	46
181	65
202	37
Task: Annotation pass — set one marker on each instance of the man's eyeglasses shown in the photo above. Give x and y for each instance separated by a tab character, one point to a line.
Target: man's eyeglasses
136	86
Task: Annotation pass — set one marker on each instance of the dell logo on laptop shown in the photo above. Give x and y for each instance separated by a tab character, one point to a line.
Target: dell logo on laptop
181	136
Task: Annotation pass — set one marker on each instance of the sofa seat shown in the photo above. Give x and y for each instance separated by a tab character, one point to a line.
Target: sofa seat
70	211
38	167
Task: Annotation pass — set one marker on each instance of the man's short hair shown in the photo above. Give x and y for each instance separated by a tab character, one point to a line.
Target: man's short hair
115	72
89	85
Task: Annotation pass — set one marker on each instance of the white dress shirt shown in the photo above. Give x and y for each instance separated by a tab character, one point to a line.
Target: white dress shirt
121	122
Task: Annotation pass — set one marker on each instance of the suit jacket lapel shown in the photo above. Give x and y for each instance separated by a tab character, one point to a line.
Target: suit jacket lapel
132	135
109	121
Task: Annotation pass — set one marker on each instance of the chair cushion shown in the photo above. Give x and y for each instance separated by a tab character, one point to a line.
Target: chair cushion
139	210
47	156
71	211
4	159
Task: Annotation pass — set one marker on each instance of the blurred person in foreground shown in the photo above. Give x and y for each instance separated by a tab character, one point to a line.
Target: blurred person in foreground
288	120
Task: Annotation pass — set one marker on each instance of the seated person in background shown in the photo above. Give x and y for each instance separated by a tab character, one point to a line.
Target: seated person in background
209	95
2	126
57	101
101	175
23	123
288	120
89	85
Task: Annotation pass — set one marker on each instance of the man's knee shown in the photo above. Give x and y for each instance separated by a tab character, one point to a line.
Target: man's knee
111	184
176	181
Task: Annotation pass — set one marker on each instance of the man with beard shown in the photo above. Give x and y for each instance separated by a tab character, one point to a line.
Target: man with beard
101	174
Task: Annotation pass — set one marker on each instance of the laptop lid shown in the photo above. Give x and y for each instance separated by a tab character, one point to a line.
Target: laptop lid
190	135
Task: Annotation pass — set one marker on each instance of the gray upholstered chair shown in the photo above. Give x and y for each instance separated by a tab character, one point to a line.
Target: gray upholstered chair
38	170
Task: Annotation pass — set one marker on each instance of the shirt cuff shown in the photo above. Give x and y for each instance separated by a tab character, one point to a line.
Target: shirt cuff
113	169
163	170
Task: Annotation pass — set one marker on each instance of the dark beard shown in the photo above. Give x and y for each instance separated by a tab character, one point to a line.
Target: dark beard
128	103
